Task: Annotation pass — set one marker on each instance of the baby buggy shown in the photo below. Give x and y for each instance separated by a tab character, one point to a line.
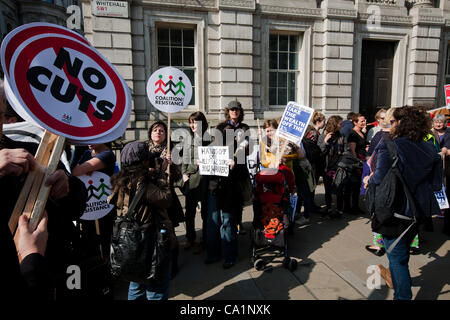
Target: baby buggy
272	216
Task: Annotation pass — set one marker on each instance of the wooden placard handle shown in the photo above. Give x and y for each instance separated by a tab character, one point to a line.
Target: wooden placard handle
34	194
168	145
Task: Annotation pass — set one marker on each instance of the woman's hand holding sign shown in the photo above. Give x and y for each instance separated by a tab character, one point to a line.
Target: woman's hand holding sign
14	162
60	184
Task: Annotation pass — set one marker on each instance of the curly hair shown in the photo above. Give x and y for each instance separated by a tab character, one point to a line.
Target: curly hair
332	124
356	117
135	174
412	124
270	123
317	117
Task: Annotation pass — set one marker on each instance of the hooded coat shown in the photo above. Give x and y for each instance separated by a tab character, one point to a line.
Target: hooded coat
421	168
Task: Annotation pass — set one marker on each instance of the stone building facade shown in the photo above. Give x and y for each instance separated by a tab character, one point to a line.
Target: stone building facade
333	55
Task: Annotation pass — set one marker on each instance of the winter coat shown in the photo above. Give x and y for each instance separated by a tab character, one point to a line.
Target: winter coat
421	168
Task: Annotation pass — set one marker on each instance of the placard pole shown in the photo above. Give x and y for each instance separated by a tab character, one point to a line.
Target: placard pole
168	145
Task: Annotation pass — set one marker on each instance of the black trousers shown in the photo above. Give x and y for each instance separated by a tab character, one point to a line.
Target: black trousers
192	199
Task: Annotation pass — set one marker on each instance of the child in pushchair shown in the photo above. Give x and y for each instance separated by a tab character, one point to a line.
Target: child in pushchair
273	215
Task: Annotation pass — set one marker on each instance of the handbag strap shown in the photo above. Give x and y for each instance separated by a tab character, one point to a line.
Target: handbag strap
393	153
136	199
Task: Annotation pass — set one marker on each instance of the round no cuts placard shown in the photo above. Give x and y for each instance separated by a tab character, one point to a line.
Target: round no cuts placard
169	90
57	81
99	188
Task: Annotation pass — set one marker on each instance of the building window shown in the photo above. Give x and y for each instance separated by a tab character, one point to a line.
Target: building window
283	68
176	49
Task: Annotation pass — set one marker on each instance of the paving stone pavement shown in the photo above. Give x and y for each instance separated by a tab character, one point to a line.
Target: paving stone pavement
332	265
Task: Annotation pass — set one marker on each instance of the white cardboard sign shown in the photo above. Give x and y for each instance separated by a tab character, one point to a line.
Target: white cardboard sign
441	198
99	188
213	161
169	90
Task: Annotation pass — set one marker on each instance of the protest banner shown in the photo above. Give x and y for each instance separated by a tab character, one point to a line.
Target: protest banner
99	188
169	90
447	95
56	80
294	122
441	198
213	161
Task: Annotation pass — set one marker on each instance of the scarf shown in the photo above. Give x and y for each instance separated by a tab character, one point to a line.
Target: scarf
158	150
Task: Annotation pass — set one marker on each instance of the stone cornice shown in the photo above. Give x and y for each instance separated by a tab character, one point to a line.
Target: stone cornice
238	5
341	13
190	4
431	20
312	13
389	19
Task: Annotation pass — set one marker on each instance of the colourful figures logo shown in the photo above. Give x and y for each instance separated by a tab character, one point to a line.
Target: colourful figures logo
99	189
170	84
92	189
169	89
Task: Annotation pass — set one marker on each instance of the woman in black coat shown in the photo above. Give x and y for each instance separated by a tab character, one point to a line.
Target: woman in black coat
421	168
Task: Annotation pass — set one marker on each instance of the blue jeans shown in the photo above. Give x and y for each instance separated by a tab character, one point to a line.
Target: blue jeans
221	233
398	265
140	291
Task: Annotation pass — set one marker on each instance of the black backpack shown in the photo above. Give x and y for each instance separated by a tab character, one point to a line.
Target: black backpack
139	252
387	202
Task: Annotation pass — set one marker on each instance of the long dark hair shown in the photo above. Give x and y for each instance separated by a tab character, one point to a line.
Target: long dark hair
412	124
199	116
134	174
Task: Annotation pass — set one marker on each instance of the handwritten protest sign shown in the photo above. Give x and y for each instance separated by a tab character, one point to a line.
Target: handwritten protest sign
294	121
99	188
441	198
213	161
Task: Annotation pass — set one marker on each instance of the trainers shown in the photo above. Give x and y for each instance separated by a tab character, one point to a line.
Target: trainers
302	221
386	275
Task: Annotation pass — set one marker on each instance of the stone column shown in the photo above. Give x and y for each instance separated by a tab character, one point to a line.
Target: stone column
424	48
333	58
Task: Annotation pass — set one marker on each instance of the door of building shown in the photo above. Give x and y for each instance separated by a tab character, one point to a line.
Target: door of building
376	77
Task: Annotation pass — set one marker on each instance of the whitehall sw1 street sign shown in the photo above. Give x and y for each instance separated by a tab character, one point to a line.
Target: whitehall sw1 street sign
104	8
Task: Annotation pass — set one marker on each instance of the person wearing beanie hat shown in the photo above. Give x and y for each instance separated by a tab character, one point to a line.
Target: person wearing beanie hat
138	167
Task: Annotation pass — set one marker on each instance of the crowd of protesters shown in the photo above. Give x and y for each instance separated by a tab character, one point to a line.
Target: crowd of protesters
347	155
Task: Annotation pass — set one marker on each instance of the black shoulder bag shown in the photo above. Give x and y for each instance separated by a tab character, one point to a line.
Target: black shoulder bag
139	253
383	200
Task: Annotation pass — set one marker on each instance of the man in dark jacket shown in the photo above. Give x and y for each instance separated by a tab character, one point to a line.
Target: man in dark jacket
234	115
67	202
347	125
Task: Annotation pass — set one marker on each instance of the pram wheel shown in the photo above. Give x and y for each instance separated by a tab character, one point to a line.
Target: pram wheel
259	264
286	262
292	265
